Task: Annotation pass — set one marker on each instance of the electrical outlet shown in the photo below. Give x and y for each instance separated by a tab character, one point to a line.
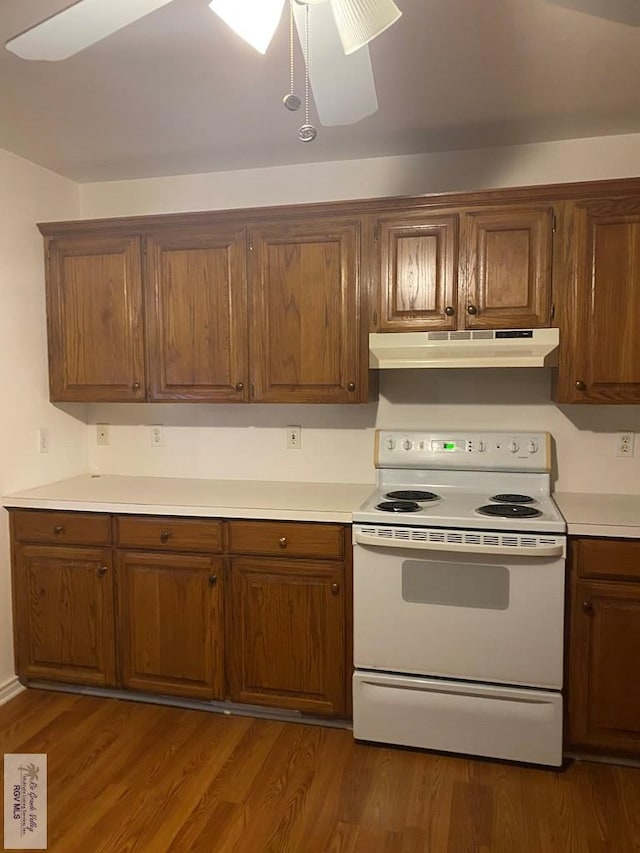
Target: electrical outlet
294	437
157	436
43	440
102	434
625	444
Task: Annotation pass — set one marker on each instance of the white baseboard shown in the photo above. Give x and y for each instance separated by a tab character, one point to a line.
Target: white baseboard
10	690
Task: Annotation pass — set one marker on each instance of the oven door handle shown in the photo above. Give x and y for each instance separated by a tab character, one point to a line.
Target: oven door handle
555	549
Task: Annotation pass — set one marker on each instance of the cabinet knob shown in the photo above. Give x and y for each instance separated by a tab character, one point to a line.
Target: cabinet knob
580	385
136	386
102	571
449	311
282	542
587	607
351	386
239	386
471	309
213	580
164	536
58	529
335	589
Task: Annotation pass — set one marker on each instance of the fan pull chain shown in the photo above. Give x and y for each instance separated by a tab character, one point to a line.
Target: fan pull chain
291	101
307	133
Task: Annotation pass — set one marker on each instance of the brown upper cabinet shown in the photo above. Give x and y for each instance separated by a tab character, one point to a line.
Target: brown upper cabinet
231	313
95	325
600	306
488	268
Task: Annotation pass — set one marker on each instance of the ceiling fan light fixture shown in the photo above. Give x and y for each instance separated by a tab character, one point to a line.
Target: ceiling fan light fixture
360	21
255	21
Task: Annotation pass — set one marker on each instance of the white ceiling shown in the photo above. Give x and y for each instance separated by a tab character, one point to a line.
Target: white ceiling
178	93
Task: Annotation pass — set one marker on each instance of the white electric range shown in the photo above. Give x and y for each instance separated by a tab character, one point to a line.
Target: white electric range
459	564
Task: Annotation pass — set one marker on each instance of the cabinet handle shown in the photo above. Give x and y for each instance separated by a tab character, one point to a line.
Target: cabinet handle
335	589
58	529
239	386
449	311
351	386
213	580
587	607
102	571
580	385
282	542
136	386
471	309
164	536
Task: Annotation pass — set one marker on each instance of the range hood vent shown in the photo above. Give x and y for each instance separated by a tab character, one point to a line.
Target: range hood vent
481	348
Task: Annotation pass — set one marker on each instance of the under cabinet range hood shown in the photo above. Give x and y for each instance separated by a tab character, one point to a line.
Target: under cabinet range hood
480	348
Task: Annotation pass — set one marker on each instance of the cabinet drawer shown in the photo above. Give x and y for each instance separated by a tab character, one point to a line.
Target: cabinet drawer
61	528
607	558
170	534
291	539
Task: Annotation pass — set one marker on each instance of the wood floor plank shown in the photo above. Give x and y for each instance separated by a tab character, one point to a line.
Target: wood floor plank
128	777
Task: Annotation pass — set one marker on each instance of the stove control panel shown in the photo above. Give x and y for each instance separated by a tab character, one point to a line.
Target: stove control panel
491	451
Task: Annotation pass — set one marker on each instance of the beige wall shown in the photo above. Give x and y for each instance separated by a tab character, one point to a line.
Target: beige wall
337	442
29	195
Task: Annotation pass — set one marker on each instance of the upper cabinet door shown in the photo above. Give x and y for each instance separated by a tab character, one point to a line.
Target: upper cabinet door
96	342
196	301
603	324
507	268
417	264
305	339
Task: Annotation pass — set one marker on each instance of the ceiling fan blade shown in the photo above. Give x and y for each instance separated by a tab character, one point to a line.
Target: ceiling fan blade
622	11
79	26
255	21
343	87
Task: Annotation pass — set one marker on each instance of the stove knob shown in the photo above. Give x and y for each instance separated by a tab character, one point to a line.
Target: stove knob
481	446
407	444
533	447
514	447
389	443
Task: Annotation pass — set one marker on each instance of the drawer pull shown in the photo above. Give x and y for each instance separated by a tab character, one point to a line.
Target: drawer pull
282	542
164	536
58	529
102	571
587	607
335	589
213	580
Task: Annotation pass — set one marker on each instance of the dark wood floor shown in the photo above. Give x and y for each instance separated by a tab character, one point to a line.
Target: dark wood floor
126	776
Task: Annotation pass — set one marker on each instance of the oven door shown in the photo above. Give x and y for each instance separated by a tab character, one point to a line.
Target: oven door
477	616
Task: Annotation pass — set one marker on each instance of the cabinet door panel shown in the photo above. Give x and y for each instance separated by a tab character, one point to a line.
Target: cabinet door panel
286	631
607	326
171	624
507	269
305	320
604	704
96	344
197	317
418	266
65	614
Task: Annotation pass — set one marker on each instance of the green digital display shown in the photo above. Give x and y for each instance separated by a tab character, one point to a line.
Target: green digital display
449	445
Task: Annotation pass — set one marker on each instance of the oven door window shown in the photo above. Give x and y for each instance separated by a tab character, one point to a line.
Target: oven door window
482	585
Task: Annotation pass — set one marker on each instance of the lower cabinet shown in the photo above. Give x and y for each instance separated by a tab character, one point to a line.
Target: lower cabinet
604	646
256	612
171	624
286	634
64	619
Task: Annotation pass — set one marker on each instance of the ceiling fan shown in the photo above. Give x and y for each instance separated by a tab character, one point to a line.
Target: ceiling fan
622	11
337	32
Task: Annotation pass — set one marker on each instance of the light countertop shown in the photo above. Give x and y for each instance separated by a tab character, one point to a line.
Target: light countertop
205	498
586	514
600	514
